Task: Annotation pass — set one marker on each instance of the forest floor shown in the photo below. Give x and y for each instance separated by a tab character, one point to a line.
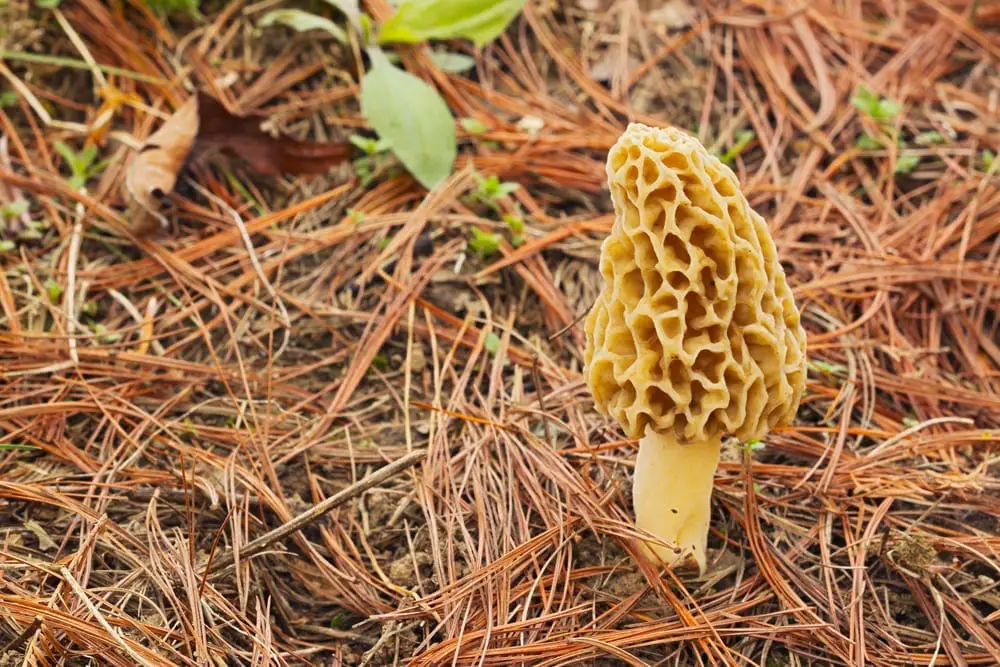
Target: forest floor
168	399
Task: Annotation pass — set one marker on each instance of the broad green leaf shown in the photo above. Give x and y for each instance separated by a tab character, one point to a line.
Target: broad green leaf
452	62
301	21
348	8
411	115
478	20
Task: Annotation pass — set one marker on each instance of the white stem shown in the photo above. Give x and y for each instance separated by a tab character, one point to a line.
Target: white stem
672	495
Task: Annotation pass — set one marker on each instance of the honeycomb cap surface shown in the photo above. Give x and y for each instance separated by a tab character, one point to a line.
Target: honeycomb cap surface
695	332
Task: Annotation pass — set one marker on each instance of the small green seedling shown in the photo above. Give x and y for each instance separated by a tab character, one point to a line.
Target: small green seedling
81	164
380	362
743	139
928	138
8	98
472	125
516	224
868	143
53	290
873	106
13	210
491	189
102	333
986	159
492	343
484	243
753	446
906	163
370	146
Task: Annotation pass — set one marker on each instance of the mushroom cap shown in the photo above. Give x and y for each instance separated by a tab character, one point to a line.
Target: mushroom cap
695	332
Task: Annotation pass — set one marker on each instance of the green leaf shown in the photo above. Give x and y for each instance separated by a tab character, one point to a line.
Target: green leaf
412	116
987	158
932	137
867	143
380	362
478	20
13	209
7	246
484	243
492	343
473	125
873	106
301	21
66	152
47	4
865	101
53	289
515	222
906	163
8	98
452	62
368	145
348	8
491	188
743	139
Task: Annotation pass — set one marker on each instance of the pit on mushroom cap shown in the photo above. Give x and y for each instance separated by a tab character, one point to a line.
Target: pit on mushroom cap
695	334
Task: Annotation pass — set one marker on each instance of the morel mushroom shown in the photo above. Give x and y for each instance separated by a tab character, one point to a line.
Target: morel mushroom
695	334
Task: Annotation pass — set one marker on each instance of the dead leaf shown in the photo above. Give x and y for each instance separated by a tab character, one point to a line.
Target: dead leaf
45	543
203	125
152	174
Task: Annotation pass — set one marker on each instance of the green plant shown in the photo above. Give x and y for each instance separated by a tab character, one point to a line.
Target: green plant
81	164
906	162
873	106
369	146
743	139
53	290
492	343
7	245
420	129
986	159
8	98
484	243
931	137
13	209
167	7
102	332
491	189
516	225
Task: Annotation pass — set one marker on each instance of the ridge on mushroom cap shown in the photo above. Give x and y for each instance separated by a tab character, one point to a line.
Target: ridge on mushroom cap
695	331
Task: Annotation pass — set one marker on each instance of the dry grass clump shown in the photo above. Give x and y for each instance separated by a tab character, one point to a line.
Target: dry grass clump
162	408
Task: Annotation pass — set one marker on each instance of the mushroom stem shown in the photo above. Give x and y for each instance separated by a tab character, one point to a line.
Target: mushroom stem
672	495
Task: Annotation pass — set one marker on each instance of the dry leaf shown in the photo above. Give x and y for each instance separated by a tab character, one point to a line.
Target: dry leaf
203	124
45	543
